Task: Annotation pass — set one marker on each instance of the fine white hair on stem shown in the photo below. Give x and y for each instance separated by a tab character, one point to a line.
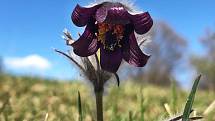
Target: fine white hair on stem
143	40
93	61
128	4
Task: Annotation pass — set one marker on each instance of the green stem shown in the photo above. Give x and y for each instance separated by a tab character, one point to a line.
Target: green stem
99	105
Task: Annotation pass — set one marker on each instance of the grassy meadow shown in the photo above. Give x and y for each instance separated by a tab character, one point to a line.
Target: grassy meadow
35	99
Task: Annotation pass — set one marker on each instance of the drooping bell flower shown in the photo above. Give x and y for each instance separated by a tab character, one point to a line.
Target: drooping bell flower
111	28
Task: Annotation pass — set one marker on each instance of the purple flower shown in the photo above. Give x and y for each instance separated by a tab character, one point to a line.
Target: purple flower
110	27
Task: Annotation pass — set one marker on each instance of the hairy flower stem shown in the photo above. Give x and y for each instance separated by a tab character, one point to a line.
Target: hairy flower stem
99	105
99	89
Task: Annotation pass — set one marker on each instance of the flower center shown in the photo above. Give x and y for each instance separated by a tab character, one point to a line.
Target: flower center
110	35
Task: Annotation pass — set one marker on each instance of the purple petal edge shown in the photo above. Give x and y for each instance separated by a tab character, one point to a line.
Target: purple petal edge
87	44
81	15
110	61
111	15
133	54
142	22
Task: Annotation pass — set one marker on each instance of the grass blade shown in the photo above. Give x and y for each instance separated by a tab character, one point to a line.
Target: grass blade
46	117
189	103
142	107
130	116
174	96
80	107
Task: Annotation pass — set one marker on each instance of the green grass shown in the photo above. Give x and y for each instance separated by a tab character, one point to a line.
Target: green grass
31	99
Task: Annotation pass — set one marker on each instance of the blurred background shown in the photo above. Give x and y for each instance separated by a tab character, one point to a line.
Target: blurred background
38	84
183	40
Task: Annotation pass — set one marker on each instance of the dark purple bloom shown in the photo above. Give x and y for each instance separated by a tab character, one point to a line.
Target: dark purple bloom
110	27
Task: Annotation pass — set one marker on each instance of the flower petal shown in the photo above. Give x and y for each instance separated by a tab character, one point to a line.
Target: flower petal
132	53
81	15
110	60
114	13
87	44
142	22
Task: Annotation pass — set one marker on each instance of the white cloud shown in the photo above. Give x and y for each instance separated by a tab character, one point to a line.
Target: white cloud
29	62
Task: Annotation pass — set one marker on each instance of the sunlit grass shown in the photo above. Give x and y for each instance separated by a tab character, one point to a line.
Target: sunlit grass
34	99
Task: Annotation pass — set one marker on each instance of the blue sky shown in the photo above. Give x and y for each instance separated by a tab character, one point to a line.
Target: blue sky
31	28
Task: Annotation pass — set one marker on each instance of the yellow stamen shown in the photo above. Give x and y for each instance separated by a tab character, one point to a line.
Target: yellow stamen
118	29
